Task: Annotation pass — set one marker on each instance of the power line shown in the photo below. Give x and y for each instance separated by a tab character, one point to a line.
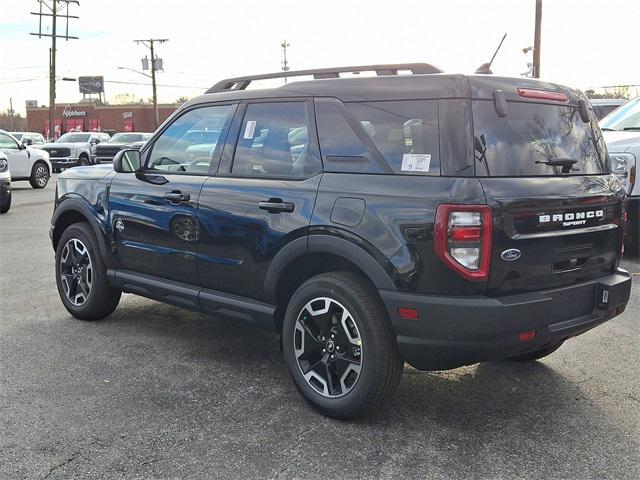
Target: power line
159	84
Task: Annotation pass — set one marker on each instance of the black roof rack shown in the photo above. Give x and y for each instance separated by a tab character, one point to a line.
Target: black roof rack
241	83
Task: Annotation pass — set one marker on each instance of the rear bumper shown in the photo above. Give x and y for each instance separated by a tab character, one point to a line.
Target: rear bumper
455	331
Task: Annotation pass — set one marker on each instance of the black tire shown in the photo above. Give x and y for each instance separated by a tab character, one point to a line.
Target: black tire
83	160
56	170
102	299
380	367
40	175
6	205
536	354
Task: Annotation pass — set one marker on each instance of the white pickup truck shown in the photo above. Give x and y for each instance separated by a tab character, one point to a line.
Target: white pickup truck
621	130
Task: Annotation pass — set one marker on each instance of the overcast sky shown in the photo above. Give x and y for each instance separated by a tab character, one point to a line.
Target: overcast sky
585	43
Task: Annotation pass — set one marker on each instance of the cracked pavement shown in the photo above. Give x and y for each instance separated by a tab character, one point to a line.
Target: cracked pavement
159	392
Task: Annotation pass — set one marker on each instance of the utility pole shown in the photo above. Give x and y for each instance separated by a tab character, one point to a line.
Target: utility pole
11	112
285	63
149	43
536	40
54	9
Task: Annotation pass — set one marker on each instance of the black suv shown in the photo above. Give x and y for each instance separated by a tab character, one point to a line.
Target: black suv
414	216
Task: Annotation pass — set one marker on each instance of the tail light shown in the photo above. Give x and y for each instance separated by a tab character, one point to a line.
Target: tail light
462	239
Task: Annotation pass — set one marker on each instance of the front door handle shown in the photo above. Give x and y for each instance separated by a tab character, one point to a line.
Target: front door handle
177	197
276	205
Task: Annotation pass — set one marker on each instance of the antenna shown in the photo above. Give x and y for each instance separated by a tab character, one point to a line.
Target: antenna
485	68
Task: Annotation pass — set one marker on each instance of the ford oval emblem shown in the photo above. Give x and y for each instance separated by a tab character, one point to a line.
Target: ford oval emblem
511	255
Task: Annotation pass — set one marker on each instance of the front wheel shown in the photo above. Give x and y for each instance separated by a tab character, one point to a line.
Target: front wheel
340	347
5	204
81	275
39	175
83	161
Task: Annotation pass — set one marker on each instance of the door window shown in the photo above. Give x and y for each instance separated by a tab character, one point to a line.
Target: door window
274	142
7	143
190	143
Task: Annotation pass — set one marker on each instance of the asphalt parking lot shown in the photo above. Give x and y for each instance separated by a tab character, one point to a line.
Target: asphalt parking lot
158	392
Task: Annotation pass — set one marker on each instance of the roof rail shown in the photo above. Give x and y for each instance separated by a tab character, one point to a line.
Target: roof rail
241	83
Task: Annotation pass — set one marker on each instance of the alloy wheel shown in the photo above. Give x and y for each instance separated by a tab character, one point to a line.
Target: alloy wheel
328	347
42	175
76	272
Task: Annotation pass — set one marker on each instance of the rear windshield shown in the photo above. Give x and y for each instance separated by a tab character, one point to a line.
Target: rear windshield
536	140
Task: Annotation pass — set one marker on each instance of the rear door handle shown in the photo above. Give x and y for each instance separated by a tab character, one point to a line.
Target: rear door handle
177	197
276	205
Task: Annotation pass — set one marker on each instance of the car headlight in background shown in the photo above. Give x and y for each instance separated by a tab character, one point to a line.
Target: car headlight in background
623	165
4	165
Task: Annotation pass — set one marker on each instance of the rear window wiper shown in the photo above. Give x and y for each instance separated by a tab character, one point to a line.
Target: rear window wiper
631	128
565	163
606	129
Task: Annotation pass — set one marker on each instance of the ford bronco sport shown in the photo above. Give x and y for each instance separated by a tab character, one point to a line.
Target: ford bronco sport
415	216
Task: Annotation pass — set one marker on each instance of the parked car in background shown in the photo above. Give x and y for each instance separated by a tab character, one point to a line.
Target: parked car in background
622	135
25	163
5	184
29	138
73	148
105	151
604	106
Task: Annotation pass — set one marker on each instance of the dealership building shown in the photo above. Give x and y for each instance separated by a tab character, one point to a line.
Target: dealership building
92	116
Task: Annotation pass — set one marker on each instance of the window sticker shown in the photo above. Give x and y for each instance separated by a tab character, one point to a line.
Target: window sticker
249	129
416	162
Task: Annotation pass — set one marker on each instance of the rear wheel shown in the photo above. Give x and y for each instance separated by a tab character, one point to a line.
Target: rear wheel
39	175
340	347
81	275
536	354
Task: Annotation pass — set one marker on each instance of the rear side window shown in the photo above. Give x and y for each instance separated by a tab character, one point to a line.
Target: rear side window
405	133
274	142
535	140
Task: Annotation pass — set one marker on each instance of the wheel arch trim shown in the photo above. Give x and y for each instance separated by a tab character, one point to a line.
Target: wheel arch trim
330	244
80	206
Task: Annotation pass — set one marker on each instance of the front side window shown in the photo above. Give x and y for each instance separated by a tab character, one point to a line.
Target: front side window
7	143
274	142
190	143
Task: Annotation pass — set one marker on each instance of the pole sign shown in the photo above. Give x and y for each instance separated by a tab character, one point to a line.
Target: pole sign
91	84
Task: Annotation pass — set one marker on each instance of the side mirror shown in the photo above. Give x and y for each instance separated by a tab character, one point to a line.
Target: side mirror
95	141
27	141
127	161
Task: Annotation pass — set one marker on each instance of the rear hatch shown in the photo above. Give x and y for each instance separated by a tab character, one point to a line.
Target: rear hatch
556	209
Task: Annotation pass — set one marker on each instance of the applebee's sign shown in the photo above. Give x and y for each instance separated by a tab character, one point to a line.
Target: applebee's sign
74	113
